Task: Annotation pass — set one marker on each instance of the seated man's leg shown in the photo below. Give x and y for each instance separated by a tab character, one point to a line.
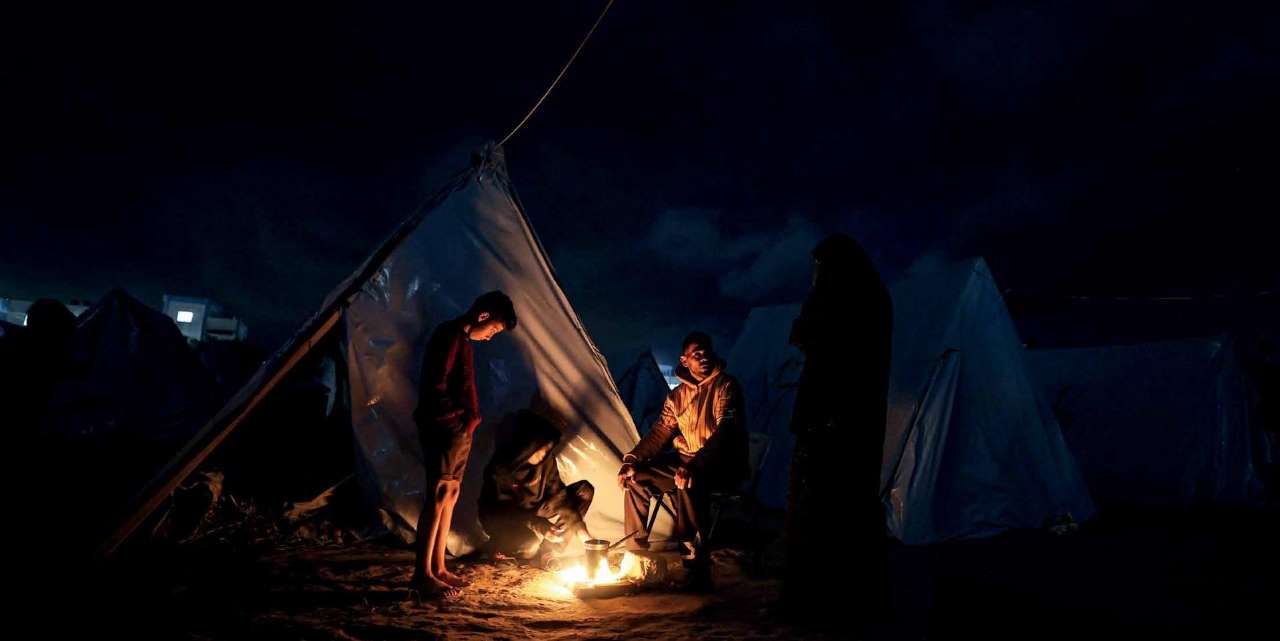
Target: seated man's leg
695	504
692	508
651	478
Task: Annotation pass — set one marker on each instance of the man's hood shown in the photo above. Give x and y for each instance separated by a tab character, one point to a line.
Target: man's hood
531	433
682	373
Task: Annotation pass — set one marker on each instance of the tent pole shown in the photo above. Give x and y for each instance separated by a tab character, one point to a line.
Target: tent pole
220	426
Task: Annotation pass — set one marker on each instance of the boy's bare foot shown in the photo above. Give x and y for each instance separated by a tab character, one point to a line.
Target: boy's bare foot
429	587
452	579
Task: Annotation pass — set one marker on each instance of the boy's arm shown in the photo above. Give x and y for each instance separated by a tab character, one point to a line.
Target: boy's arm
439	359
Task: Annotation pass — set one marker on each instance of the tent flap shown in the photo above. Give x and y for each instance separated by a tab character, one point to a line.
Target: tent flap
477	239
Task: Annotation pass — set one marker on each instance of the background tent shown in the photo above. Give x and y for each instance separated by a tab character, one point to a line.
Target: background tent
768	368
470	237
969	450
131	395
643	389
1156	423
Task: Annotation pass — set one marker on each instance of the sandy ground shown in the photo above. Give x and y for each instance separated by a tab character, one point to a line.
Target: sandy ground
359	594
1166	576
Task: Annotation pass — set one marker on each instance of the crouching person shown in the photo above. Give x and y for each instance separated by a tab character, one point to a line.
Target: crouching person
703	421
528	512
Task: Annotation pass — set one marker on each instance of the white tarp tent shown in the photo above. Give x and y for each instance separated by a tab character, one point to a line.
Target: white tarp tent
970	449
471	237
1155	423
475	240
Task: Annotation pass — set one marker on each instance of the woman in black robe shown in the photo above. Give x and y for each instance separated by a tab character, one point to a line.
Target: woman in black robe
834	514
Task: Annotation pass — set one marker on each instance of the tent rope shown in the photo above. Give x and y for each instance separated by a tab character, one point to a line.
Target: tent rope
558	76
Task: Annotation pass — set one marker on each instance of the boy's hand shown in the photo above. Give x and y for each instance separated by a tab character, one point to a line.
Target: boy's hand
625	474
473	422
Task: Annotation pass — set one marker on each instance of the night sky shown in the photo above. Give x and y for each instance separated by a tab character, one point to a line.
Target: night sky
681	172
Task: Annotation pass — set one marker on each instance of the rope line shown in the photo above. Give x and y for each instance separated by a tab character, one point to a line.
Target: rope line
558	76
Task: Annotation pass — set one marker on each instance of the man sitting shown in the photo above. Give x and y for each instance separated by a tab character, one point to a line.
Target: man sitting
703	420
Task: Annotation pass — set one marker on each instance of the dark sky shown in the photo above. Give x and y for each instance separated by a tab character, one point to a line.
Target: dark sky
680	173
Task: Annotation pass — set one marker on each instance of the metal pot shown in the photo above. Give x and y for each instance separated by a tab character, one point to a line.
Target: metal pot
597	550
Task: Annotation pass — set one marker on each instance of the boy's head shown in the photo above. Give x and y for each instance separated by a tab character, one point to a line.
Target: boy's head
489	316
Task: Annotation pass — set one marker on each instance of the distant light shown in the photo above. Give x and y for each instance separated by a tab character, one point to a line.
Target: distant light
186	317
24	320
668	373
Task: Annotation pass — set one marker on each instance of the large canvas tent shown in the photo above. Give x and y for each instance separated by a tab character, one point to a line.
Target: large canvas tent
643	388
1162	423
471	237
970	449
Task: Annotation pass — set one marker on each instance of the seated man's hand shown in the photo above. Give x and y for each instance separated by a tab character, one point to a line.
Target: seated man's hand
625	474
684	478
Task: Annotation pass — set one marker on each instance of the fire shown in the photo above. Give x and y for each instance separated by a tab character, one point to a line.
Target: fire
576	576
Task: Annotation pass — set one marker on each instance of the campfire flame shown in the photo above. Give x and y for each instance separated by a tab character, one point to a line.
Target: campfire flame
577	576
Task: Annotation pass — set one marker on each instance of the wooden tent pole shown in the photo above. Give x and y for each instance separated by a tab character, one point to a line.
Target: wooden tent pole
220	426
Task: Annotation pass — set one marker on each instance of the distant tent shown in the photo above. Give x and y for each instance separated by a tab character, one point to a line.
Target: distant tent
768	368
643	388
1155	423
970	450
471	237
132	395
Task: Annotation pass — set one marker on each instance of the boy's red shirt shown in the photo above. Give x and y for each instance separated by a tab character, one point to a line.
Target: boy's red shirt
447	387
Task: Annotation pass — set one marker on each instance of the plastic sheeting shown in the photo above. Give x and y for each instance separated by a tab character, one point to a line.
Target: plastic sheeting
970	449
768	368
644	390
475	240
1157	423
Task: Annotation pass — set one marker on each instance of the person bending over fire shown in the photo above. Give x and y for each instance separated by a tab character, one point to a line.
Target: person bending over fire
703	420
528	512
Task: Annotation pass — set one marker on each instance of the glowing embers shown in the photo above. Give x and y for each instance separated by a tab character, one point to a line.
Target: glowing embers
607	579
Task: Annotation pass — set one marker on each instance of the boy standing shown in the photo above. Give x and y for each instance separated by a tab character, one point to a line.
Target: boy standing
448	413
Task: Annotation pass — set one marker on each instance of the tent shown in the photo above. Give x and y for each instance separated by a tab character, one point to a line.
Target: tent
132	393
1162	423
472	236
643	388
768	368
970	449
